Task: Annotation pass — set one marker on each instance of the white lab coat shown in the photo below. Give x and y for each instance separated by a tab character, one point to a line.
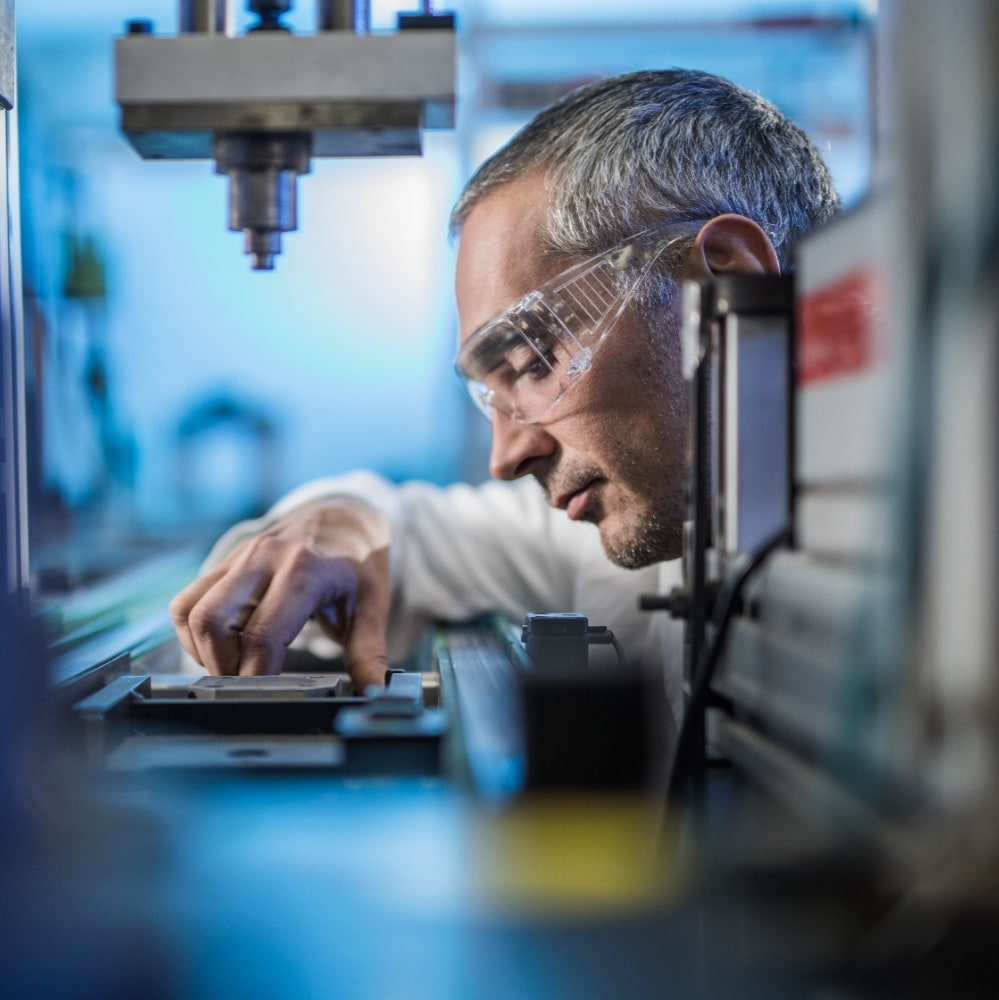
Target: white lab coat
461	551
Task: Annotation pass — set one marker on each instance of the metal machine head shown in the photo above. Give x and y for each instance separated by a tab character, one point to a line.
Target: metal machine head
263	103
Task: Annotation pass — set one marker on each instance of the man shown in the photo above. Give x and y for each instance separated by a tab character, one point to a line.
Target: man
602	205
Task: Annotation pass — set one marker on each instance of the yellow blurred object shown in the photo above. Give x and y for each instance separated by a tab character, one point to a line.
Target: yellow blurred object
576	855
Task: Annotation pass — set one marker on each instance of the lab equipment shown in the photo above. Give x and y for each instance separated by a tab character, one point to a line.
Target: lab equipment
208	93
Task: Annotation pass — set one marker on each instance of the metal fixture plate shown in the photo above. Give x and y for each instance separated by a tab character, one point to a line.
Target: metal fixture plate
330	68
278	686
187	132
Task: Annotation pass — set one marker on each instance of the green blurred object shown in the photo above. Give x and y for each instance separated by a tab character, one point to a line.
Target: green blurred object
85	271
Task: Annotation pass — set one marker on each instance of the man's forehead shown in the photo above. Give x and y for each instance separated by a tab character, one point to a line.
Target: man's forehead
500	254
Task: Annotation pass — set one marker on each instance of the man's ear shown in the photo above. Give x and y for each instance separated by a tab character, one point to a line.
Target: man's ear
731	243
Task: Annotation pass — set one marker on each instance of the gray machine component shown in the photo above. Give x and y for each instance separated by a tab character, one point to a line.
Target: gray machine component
752	397
737	342
288	685
556	642
122	721
263	174
209	94
13	459
23	742
206	15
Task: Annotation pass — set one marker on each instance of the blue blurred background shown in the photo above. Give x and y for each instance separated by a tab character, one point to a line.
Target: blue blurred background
173	390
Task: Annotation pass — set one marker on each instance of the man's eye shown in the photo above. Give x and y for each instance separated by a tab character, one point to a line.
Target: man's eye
540	368
527	363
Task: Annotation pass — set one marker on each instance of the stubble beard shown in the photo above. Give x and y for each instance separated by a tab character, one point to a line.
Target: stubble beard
647	534
652	515
648	513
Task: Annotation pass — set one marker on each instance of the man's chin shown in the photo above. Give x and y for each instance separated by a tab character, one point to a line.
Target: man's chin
637	548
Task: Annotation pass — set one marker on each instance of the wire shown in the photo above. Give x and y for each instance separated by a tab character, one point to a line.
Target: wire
601	635
617	649
708	662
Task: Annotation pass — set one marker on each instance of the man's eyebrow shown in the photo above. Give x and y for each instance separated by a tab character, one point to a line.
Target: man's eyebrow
496	342
493	319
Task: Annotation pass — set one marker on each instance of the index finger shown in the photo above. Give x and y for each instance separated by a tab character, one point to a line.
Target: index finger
365	649
294	594
184	603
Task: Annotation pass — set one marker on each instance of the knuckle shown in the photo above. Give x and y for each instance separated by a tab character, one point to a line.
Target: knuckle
203	623
263	548
178	609
303	561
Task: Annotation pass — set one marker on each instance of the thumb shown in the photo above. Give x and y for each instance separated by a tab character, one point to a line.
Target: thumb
365	649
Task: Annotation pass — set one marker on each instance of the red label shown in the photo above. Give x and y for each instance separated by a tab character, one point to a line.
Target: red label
837	328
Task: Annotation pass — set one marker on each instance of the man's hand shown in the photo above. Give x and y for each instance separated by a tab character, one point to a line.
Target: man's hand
328	560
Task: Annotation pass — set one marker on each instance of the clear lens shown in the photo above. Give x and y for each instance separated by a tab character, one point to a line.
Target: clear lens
523	362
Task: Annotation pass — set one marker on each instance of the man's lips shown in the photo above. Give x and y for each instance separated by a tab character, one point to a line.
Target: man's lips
575	502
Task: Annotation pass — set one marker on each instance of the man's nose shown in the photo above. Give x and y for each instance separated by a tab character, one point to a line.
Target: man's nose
517	447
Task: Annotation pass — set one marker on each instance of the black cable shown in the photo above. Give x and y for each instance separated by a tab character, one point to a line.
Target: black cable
708	662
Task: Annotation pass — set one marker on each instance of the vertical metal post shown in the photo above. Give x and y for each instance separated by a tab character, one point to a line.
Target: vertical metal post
700	514
210	17
23	675
13	463
345	15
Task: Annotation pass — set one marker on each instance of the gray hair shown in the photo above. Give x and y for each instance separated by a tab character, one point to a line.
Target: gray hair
652	148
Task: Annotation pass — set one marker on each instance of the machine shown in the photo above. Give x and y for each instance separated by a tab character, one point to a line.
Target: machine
505	818
208	93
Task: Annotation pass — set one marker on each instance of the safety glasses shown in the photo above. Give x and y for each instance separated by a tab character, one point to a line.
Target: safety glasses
523	362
